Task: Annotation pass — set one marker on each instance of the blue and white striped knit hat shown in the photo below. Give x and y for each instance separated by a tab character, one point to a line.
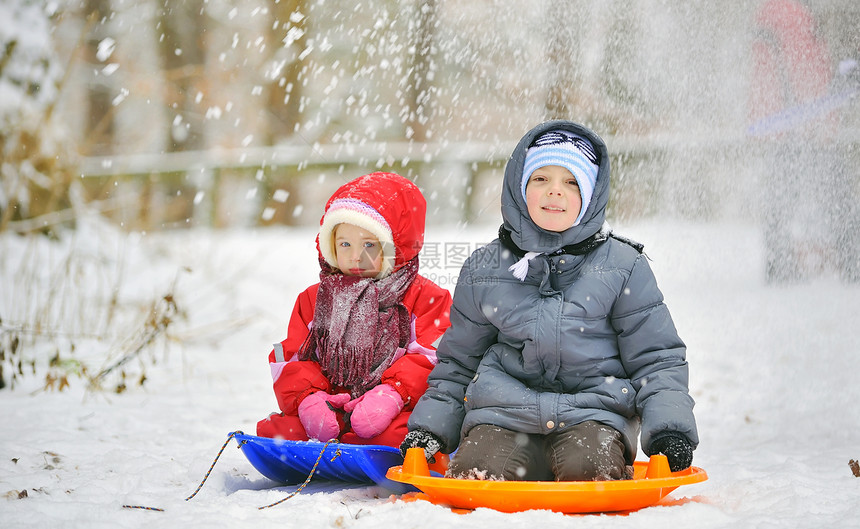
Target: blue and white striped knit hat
568	150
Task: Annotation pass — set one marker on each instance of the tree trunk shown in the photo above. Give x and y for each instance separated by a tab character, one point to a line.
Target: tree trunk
182	47
420	89
562	51
99	124
287	39
181	30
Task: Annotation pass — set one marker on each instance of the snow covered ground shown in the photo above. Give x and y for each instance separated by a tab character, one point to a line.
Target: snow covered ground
774	373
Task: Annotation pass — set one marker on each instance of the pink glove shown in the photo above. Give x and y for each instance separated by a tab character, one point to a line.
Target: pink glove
318	417
374	411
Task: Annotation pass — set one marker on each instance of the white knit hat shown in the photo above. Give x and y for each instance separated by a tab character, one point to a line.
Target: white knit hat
357	213
568	150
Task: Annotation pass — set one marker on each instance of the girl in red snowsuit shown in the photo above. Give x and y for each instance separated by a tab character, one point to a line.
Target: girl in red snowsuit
361	342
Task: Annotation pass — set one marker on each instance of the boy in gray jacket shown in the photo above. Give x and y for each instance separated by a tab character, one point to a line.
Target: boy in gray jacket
560	347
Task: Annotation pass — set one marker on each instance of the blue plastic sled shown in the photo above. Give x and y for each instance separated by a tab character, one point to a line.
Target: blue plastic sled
290	462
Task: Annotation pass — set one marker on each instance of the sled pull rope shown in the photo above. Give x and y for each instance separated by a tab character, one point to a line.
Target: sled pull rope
212	466
142	507
308	480
208	472
232	435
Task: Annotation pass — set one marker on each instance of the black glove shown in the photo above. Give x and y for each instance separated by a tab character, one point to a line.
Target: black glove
676	448
421	439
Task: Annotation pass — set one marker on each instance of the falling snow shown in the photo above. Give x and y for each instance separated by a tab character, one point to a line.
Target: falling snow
773	366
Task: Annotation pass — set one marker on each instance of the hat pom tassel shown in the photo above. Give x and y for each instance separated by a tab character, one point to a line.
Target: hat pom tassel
521	267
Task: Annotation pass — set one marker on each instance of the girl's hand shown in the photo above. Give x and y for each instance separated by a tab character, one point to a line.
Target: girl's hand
371	413
317	414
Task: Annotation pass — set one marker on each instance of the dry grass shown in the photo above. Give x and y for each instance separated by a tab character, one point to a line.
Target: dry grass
68	311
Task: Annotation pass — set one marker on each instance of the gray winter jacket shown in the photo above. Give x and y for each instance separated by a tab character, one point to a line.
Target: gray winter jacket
583	337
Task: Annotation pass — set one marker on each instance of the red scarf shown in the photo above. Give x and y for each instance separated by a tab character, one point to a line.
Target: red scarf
359	323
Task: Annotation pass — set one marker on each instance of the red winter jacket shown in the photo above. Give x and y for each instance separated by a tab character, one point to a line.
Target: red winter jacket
393	209
294	379
791	63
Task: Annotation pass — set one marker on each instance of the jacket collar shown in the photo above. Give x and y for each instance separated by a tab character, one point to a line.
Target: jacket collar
580	248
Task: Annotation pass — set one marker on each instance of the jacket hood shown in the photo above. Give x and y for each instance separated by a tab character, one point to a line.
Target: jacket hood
386	204
524	232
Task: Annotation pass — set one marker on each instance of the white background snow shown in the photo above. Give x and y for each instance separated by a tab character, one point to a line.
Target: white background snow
774	373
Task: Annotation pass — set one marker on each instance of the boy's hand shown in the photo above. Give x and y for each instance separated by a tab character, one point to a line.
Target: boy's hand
421	439
676	448
317	415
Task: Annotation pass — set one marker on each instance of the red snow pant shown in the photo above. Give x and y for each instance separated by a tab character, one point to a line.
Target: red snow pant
289	427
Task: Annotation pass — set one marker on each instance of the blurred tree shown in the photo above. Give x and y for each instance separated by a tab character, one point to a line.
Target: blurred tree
99	126
608	97
562	59
421	102
288	38
182	26
34	175
182	49
619	106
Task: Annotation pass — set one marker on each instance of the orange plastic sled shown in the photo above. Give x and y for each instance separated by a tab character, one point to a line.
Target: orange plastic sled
651	482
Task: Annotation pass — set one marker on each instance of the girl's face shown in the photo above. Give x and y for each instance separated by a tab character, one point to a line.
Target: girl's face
552	197
358	252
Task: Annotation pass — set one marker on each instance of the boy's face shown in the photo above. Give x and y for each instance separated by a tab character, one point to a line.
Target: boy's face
358	252
553	198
